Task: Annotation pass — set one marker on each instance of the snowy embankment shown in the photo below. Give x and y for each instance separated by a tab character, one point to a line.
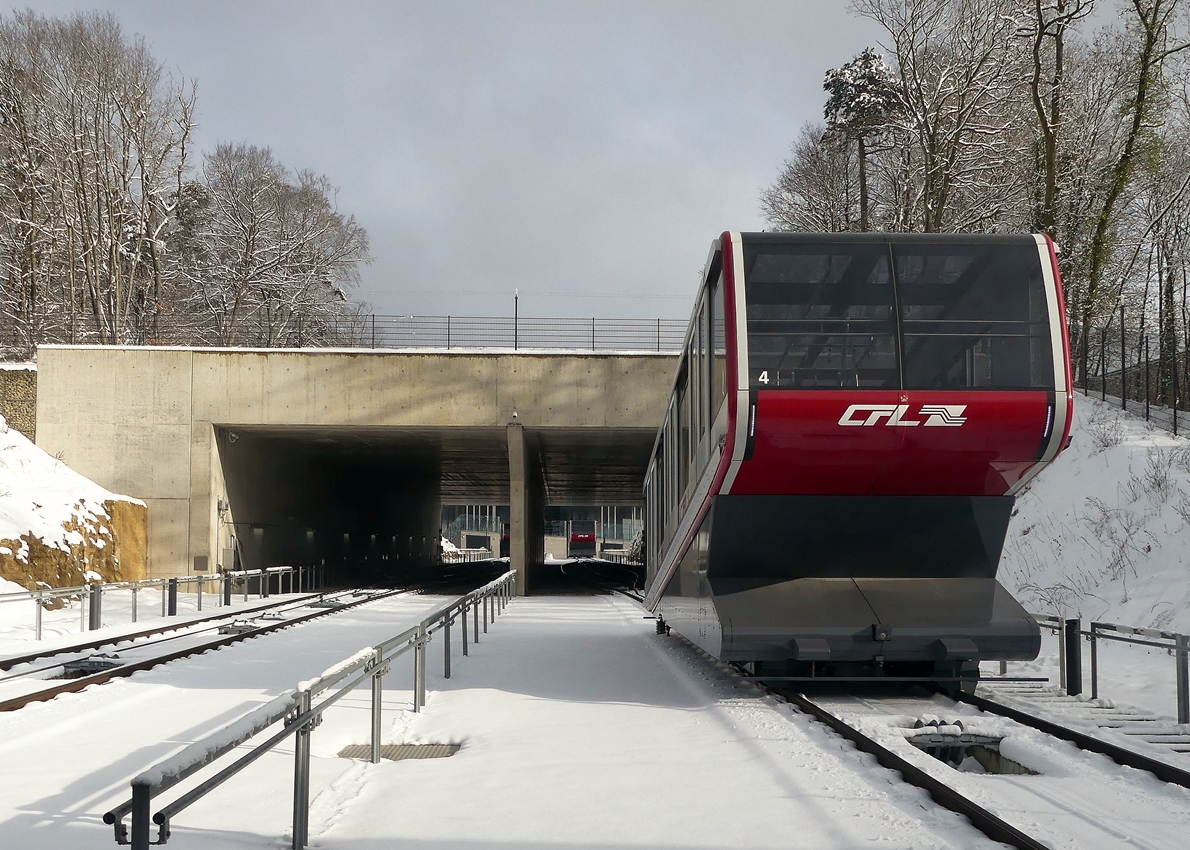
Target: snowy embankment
59	528
1104	533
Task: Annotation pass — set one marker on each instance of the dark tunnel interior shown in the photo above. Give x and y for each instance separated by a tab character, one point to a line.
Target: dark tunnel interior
367	502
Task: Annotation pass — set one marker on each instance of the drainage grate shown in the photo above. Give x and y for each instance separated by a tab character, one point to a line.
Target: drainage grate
969	753
88	666
400	752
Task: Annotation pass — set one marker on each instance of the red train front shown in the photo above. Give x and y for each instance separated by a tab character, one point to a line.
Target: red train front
852	417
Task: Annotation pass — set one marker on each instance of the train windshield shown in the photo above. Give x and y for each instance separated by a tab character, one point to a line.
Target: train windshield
897	312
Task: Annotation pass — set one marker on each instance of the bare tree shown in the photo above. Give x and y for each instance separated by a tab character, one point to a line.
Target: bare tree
266	257
818	186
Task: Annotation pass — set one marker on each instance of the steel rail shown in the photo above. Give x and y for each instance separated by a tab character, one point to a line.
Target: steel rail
9	663
1120	755
75	685
989	824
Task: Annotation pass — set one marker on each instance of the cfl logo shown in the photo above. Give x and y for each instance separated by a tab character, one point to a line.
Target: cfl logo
937	415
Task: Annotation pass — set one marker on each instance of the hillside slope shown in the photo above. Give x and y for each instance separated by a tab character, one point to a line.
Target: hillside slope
1104	533
59	528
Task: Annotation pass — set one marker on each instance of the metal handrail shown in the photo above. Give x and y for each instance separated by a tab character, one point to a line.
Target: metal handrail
1070	657
90	596
301	715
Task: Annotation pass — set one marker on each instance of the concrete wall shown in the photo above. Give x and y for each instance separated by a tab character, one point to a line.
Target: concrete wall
143	421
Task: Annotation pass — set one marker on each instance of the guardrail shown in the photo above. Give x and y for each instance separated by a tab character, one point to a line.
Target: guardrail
1070	664
90	596
301	715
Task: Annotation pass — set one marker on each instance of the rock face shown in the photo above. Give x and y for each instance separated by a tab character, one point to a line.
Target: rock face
18	397
59	529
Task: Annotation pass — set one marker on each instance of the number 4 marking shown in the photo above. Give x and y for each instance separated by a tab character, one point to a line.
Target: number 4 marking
764	377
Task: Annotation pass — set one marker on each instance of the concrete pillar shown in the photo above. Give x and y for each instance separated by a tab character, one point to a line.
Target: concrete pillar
518	507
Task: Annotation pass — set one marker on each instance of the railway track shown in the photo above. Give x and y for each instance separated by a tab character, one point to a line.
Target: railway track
1048	795
126	667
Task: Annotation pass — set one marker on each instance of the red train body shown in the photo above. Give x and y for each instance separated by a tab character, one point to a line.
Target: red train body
851	419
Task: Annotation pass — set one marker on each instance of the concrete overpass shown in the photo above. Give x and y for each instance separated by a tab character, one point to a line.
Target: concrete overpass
292	456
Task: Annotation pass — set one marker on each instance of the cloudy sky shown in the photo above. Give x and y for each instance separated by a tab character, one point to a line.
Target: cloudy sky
583	153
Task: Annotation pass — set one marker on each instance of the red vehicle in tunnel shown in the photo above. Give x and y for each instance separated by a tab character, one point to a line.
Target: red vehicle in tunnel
851	420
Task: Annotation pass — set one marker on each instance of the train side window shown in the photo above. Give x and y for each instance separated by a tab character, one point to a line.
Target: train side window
718	323
974	316
820	316
683	410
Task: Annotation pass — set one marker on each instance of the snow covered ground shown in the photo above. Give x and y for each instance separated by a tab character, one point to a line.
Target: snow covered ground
579	728
65	762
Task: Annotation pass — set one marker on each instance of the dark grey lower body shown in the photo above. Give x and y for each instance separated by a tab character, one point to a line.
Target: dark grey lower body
846	581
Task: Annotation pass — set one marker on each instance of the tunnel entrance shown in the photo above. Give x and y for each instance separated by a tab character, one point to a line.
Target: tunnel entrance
367	502
364	502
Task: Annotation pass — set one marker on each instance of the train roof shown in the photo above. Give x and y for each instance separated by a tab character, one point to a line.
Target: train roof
895	238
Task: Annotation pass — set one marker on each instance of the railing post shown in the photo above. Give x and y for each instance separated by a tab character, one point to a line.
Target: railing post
1062	653
83	599
486	599
1183	658
1074	658
377	704
419	669
140	815
173	597
135	590
1094	661
201	582
446	645
95	620
264	583
463	619
475	613
301	777
245	580
37	615
227	590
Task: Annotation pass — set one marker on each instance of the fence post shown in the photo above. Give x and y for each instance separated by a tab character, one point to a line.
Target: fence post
37	616
486	599
95	620
1147	367
1074	658
201	582
135	589
245	579
1183	658
1094	662
173	597
463	618
301	777
1103	364
264	583
227	590
377	704
140	815
446	645
475	613
1123	373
